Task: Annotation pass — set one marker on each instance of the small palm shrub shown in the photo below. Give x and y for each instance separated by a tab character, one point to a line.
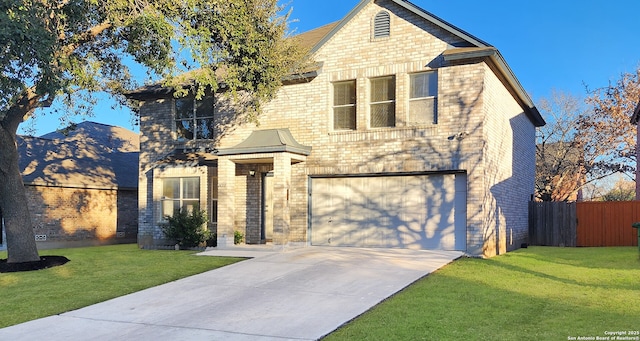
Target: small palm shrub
187	228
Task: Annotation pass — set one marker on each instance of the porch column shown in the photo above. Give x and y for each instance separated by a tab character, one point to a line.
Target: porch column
281	195
226	201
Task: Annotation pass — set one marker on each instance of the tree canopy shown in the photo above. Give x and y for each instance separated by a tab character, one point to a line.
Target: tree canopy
586	140
72	49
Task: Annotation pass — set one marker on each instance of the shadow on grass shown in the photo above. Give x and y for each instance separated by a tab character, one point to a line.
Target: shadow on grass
621	258
473	299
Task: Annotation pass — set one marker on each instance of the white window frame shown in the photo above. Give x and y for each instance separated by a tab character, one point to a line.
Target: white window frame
391	101
182	200
431	95
352	104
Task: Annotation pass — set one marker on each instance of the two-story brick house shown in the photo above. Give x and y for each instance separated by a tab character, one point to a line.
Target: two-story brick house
411	133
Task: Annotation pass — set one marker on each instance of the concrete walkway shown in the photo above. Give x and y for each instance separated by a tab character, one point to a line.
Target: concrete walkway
280	294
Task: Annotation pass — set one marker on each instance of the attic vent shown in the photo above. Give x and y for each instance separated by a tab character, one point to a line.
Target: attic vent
381	25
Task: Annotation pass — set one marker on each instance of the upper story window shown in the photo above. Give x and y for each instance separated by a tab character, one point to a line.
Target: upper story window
383	102
423	94
382	25
344	105
195	118
180	193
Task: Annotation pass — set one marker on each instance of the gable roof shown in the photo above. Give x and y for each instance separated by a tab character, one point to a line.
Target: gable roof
472	48
311	38
86	155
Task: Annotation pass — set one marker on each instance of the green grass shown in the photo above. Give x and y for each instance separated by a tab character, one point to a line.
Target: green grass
93	275
537	293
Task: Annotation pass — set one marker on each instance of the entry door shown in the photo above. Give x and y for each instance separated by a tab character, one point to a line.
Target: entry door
267	207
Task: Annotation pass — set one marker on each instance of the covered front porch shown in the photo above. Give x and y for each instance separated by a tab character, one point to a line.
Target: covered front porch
259	203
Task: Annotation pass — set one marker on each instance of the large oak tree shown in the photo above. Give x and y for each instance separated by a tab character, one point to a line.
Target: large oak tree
72	49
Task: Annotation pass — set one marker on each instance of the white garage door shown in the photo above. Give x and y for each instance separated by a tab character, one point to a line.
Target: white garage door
412	212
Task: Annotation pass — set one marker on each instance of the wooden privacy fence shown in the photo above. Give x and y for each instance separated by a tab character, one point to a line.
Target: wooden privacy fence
583	223
607	223
552	223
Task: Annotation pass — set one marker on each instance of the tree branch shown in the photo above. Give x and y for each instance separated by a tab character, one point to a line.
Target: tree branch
86	37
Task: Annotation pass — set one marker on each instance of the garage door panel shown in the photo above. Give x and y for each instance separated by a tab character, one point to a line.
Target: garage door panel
418	212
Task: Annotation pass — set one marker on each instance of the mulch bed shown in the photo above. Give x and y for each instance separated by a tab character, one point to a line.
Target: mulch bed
44	263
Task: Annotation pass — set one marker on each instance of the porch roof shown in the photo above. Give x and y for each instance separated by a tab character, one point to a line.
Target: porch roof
268	141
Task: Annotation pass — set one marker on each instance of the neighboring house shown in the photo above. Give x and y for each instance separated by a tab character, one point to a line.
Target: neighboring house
560	172
82	185
411	133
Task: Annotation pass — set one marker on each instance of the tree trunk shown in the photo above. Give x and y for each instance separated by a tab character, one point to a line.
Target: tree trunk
21	243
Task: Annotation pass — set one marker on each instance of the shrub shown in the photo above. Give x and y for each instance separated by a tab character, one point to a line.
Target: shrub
238	237
187	228
212	240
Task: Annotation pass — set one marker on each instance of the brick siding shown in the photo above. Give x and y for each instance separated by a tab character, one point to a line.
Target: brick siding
76	216
495	151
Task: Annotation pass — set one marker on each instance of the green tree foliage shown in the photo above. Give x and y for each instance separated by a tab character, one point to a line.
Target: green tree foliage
72	49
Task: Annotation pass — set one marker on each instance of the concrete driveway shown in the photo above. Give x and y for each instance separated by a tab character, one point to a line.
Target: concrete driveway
280	294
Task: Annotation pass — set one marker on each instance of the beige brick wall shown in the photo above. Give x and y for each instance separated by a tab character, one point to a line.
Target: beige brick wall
78	216
471	100
509	168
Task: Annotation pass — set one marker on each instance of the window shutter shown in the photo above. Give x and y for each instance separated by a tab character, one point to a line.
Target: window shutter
382	25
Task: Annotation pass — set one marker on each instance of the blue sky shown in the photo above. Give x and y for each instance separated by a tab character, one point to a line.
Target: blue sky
549	45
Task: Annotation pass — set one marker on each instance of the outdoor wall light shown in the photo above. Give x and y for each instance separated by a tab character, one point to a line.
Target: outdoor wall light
252	173
459	136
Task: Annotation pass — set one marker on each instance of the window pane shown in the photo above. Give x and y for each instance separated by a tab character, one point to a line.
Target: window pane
383	89
184	108
170	207
214	187
191	188
424	85
344	93
171	188
204	129
189	205
204	107
184	129
423	111
344	118
213	214
383	115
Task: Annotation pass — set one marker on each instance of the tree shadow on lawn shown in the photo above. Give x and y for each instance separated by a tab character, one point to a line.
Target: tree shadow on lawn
45	262
465	308
619	257
607	280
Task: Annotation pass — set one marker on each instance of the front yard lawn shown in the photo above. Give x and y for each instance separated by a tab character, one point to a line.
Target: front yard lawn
93	275
539	293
